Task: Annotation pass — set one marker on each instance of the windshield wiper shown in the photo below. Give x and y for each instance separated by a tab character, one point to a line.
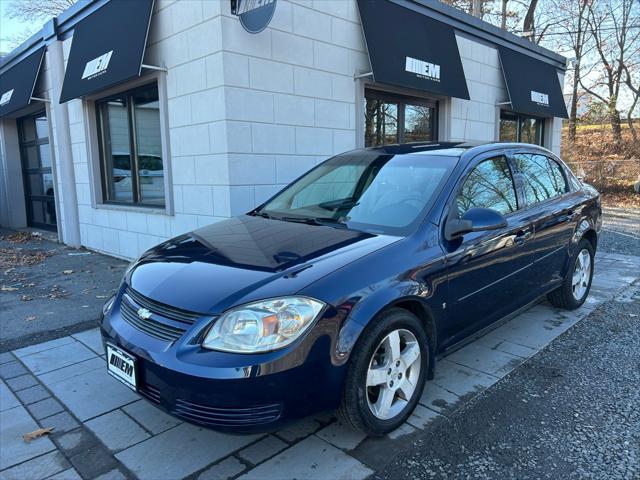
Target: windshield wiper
339	204
259	213
323	221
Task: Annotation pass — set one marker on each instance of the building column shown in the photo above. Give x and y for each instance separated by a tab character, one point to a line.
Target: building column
13	211
70	227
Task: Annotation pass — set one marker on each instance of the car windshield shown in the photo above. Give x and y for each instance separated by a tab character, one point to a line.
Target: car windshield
364	190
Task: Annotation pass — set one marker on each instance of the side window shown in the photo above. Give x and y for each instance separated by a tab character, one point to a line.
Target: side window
489	185
557	175
542	178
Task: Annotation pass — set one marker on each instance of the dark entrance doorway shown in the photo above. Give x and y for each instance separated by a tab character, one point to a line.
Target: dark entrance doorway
35	155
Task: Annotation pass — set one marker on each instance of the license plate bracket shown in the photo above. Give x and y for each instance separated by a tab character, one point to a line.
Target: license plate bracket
122	366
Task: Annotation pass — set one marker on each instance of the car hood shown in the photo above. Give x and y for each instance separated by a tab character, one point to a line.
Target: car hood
244	259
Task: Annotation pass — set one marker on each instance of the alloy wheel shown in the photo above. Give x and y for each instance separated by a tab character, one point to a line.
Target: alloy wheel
393	374
581	274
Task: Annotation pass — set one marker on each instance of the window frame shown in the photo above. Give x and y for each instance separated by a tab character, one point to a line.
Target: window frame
519	117
103	132
88	107
519	177
402	101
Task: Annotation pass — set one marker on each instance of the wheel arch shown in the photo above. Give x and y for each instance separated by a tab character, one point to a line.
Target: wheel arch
423	312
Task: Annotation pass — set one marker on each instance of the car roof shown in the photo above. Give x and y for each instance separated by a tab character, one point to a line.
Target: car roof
452	149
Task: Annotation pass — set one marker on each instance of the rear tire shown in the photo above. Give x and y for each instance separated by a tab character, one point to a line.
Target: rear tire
576	286
388	364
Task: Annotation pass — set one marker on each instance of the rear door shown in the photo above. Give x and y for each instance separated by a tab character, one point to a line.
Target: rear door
549	205
487	270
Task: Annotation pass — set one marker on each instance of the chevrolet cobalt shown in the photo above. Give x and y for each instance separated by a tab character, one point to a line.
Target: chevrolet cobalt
342	291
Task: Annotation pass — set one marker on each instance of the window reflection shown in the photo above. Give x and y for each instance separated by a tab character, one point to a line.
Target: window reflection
391	119
508	129
42	127
520	128
133	167
489	185
149	147
542	177
381	127
418	123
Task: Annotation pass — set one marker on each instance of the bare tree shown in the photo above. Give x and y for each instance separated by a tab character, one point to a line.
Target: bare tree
616	38
632	80
529	26
573	35
503	15
29	11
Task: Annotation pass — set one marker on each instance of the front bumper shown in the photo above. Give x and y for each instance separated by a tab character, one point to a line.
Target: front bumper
236	393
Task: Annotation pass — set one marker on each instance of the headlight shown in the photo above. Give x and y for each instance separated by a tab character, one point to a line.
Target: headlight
262	326
107	305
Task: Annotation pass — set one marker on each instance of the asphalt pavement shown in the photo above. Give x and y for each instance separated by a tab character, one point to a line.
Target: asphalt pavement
49	290
571	411
620	231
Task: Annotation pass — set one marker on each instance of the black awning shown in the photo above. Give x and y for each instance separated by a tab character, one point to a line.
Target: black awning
533	85
18	82
107	48
412	50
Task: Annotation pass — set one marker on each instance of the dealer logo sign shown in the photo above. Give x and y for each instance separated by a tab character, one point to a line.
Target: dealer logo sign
422	69
97	66
541	99
254	15
6	97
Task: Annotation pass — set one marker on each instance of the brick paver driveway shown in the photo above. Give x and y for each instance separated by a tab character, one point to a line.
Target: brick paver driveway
104	430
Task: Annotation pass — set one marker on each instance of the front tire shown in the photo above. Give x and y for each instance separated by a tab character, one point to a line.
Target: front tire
387	373
574	290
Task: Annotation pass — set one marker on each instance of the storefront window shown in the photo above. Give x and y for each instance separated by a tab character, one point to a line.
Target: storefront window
520	128
395	119
381	122
131	147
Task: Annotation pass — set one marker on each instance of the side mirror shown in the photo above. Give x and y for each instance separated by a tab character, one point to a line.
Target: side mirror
474	220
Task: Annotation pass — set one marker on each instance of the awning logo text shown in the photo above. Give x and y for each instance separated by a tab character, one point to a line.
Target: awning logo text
6	97
97	66
540	98
423	69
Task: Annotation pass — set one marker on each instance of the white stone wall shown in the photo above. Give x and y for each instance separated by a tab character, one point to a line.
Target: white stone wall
289	94
249	113
477	119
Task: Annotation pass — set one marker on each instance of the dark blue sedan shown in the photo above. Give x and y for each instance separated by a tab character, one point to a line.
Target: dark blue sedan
342	290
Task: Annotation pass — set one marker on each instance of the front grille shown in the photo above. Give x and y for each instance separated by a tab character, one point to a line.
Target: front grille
215	416
178	320
151	326
150	393
166	311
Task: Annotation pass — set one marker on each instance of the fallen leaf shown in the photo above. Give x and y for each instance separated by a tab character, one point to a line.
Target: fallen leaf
26	298
8	289
37	434
67	272
30	318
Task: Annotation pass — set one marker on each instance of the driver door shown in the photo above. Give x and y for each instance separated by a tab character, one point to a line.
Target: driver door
486	270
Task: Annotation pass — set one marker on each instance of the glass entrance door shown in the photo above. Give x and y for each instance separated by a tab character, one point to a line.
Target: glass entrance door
35	155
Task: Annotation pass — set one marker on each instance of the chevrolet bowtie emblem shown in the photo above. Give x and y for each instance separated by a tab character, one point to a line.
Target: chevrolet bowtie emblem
144	314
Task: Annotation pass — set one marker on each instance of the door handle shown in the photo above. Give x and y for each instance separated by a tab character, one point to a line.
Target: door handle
521	237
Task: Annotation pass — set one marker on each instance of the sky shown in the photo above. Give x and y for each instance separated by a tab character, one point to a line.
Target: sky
10	27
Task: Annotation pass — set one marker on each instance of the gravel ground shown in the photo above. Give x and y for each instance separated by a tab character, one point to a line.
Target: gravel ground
572	411
620	231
